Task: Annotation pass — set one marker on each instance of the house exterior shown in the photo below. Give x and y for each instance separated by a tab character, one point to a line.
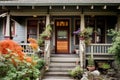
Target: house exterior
23	19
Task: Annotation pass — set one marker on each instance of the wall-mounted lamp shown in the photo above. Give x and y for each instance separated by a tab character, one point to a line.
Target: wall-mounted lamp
34	15
50	7
104	7
92	7
64	7
18	7
3	7
33	7
119	7
77	7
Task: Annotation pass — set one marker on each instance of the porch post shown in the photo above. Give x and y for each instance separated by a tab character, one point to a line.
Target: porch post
47	45
7	29
47	19
118	23
81	43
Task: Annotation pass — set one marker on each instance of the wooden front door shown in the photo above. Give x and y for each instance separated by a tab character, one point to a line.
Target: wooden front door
62	36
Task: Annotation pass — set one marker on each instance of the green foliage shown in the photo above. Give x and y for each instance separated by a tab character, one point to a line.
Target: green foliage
115	48
105	66
44	34
22	71
90	61
86	33
76	72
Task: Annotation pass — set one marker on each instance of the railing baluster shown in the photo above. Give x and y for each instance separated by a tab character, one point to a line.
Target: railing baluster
98	48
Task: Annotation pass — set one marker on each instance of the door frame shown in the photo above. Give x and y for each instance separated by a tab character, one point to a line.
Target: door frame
69	29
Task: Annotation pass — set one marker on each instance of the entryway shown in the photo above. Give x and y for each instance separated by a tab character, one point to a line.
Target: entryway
62	36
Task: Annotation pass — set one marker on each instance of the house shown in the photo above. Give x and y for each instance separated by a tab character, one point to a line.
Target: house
22	19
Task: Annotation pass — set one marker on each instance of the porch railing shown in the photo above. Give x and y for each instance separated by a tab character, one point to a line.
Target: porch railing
98	48
47	52
92	48
26	48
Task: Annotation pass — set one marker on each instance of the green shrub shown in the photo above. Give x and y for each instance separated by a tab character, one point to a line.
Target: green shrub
76	72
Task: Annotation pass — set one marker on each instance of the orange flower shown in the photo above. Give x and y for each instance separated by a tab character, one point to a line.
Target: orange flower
33	43
9	44
31	40
34	46
13	61
29	59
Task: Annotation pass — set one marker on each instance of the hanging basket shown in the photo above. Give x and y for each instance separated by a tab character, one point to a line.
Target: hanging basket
81	38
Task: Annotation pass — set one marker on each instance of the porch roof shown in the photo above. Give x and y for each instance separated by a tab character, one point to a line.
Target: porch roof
57	2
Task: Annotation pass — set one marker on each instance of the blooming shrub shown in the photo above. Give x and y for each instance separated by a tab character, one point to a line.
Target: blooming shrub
15	64
33	44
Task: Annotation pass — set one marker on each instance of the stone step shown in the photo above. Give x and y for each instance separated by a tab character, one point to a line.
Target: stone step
64	59
62	64
56	69
49	73
57	78
64	55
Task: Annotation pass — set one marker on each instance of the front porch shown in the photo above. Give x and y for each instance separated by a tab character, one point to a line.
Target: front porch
99	51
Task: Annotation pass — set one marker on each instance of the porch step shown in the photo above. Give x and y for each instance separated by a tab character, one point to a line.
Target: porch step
57	78
65	69
59	73
64	59
64	64
60	66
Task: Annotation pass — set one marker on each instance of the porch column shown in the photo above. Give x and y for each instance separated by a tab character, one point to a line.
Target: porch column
7	27
81	43
47	45
82	23
118	23
47	19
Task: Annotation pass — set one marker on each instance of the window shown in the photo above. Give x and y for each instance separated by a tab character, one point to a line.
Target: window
32	29
100	25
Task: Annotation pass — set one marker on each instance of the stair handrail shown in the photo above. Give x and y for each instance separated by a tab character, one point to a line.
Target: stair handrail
47	52
82	53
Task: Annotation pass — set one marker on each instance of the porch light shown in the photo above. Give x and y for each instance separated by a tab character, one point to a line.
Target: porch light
105	7
119	7
64	7
3	7
50	7
18	7
34	15
33	7
92	7
77	7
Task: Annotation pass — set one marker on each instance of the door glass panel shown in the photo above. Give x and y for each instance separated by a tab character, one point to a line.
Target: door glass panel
62	35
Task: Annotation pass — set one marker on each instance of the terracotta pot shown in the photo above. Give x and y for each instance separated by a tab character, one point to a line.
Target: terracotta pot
81	38
47	38
91	68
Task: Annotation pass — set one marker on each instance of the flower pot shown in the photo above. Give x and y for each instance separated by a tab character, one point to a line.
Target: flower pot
81	38
91	68
46	38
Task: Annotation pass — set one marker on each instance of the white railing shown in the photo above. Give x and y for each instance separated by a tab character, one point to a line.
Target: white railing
26	48
47	52
98	48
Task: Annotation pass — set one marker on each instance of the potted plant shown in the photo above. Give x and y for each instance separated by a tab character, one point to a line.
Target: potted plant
76	73
85	35
91	64
105	67
46	34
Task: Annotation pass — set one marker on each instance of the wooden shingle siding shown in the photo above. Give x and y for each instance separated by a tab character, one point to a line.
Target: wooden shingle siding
1	31
20	32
